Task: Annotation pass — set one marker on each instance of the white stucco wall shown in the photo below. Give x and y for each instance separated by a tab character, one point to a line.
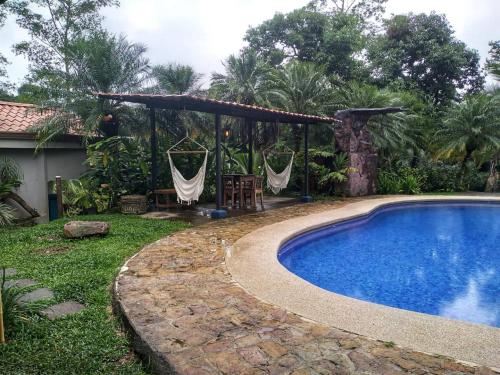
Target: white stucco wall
58	159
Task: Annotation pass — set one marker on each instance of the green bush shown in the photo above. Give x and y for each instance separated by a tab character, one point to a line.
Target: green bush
405	180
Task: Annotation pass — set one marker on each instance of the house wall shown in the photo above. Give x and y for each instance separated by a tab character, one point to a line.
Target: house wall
58	159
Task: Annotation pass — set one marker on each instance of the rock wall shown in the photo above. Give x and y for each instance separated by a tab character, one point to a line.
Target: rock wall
353	138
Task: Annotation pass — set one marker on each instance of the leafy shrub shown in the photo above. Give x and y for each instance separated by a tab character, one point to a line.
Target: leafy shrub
10	178
121	164
441	176
406	180
388	183
82	195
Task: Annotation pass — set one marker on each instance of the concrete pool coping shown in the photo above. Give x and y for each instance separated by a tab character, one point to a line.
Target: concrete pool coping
253	263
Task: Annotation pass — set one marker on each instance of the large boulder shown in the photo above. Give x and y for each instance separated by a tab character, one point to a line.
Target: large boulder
79	229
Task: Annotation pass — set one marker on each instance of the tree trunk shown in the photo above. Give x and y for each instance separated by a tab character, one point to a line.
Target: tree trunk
20	201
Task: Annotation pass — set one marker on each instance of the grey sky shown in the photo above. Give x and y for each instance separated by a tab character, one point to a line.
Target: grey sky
202	33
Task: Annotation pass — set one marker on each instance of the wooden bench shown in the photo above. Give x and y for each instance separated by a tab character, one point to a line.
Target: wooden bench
166	193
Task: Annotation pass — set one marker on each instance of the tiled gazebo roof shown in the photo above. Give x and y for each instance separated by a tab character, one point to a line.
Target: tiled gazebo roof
203	104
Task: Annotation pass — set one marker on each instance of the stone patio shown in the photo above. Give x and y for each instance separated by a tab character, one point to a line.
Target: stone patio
188	316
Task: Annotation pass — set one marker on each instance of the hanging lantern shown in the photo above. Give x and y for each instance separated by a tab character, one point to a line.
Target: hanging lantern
227	132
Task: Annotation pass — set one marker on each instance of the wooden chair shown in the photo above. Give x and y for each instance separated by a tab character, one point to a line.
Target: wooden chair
251	186
231	190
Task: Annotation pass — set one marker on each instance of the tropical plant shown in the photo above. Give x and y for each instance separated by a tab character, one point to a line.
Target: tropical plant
83	195
176	79
299	87
390	133
470	128
12	312
121	164
244	80
102	63
10	178
339	173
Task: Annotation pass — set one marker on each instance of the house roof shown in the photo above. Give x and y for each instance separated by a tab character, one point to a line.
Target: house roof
16	119
202	104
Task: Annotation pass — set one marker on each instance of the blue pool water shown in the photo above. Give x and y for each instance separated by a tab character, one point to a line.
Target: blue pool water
435	258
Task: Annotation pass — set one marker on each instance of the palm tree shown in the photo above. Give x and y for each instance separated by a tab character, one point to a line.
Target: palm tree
244	80
101	63
471	127
391	133
299	87
176	79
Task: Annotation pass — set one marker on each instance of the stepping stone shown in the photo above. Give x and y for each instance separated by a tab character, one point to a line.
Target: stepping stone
62	309
35	296
8	272
21	283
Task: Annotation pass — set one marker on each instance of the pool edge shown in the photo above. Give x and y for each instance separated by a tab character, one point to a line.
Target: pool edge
253	263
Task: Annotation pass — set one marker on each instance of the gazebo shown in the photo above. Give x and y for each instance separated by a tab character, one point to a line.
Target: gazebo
251	114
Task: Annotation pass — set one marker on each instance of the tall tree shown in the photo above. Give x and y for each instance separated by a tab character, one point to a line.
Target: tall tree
421	51
493	63
101	63
3	61
297	34
53	25
366	9
176	79
331	40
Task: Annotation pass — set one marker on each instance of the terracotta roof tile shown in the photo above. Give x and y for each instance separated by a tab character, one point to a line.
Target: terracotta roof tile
18	117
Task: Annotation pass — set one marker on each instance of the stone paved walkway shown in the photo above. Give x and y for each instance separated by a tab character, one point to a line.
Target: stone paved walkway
189	317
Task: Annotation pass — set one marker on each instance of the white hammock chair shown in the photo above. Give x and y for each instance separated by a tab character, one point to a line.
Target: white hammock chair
278	181
188	191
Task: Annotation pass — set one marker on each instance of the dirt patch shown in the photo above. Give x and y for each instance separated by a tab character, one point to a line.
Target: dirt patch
51	250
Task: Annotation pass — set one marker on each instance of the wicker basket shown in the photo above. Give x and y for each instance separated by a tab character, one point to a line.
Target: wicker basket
133	204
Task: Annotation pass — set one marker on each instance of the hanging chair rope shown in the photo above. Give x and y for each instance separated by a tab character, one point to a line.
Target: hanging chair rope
278	181
188	191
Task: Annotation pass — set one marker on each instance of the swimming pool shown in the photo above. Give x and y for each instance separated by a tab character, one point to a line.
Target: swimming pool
436	258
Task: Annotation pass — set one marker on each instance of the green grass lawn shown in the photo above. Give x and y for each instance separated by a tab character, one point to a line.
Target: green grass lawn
90	342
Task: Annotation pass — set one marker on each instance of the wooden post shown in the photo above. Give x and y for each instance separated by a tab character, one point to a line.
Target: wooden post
60	208
154	149
218	213
250	145
306	198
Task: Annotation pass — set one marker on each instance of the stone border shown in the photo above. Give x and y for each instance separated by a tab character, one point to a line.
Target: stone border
254	264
